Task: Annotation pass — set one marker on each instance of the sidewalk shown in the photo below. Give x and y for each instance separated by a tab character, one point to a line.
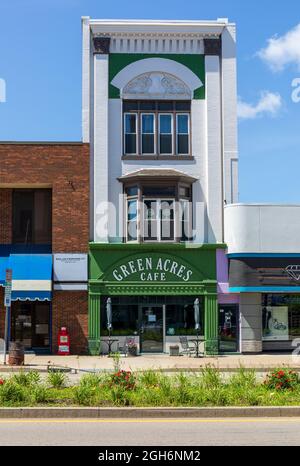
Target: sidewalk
163	362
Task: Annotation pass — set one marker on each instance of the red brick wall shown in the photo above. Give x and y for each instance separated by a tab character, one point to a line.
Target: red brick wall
5	215
69	309
64	168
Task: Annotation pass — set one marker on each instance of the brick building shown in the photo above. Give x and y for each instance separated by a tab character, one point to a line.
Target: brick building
44	232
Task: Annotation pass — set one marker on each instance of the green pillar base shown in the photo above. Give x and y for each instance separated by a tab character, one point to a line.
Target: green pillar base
212	347
94	347
211	326
94	324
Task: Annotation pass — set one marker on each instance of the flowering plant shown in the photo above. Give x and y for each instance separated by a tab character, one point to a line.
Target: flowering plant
124	379
132	347
131	343
2	381
282	379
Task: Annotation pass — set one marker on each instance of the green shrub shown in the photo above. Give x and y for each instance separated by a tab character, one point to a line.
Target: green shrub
210	377
90	380
243	378
40	394
183	389
116	361
165	387
149	378
218	396
282	379
12	392
57	379
26	379
85	395
120	396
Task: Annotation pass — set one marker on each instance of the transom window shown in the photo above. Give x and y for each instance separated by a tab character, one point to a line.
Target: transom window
157	213
156	128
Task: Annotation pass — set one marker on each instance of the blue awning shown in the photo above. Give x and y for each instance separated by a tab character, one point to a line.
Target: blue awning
3	266
31	276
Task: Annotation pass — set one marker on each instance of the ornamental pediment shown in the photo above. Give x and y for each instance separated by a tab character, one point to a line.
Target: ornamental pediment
156	85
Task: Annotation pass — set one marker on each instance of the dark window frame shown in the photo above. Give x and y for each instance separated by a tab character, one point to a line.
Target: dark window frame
33	240
177	184
137	110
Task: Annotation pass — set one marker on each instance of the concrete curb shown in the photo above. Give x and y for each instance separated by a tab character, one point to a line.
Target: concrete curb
129	413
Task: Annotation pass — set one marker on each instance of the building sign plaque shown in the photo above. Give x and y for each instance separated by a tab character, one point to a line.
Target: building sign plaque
70	268
152	268
264	271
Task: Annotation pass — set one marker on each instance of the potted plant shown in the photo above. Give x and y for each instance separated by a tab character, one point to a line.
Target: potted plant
132	348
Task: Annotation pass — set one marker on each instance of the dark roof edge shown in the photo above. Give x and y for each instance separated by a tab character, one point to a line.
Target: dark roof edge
43	143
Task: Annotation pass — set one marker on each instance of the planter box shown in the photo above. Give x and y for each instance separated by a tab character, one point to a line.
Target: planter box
174	350
132	351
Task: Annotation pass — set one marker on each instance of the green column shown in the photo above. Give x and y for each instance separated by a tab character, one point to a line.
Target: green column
94	324
211	324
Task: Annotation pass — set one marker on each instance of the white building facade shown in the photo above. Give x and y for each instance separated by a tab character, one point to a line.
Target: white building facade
264	268
159	112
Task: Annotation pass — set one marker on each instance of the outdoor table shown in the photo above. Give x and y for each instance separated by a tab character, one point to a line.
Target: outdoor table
197	342
110	342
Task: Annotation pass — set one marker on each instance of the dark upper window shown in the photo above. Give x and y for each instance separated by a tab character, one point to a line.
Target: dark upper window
158	128
32	216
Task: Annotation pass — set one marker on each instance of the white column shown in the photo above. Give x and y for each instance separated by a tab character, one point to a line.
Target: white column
229	101
115	188
85	78
100	175
214	150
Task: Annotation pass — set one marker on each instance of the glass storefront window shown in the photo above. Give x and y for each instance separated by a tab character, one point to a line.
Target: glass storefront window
228	327
180	319
30	324
124	317
127	314
280	316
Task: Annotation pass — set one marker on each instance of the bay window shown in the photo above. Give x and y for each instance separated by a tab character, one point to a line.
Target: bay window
158	213
158	220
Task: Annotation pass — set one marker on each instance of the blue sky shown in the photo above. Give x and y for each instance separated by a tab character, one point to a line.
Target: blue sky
40	61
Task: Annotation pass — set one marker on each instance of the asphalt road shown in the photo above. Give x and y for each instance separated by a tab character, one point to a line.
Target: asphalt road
148	432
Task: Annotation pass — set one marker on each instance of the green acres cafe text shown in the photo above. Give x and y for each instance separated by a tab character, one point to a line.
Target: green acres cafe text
152	269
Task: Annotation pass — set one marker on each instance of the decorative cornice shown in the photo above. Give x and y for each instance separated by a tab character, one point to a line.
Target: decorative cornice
152	247
156	290
101	45
156	35
212	46
97	287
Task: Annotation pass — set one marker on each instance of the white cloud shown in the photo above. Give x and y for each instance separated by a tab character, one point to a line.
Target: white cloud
268	104
283	50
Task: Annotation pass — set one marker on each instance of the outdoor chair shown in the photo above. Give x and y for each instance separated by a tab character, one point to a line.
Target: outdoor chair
186	348
124	349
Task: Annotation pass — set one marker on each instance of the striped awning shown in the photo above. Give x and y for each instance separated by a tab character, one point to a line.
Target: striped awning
31	276
4	264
